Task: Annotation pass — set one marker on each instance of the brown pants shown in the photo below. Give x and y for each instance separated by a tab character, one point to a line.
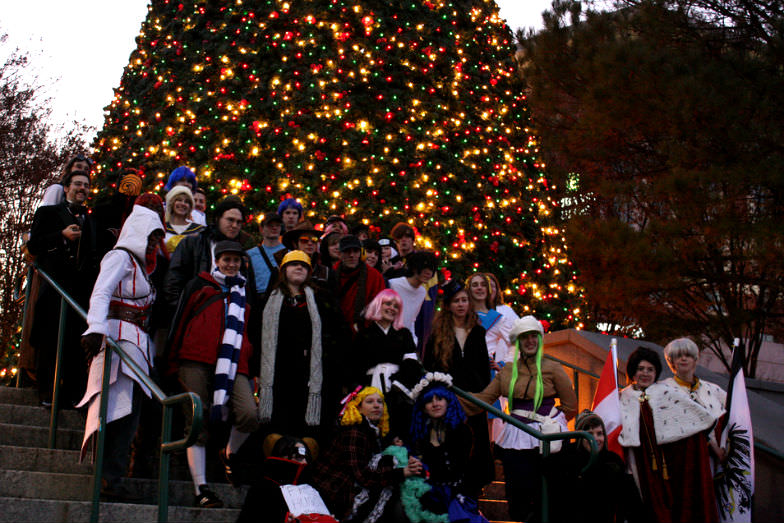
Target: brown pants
198	377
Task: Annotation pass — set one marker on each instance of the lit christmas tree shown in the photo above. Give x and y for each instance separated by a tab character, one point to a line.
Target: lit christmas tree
378	111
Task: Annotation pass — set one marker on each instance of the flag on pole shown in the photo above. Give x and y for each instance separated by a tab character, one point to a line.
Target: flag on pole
606	400
734	478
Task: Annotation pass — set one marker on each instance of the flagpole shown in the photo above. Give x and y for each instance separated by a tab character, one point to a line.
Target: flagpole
614	350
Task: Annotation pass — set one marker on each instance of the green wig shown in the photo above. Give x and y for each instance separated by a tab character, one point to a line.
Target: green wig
539	392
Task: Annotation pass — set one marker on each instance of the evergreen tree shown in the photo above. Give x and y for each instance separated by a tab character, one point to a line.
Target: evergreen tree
378	111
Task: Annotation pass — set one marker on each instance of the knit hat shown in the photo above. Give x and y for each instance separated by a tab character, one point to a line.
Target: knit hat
525	324
350	414
585	417
295	256
179	190
152	202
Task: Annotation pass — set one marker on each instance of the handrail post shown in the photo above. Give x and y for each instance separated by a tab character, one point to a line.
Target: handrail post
25	311
545	495
58	364
98	473
163	472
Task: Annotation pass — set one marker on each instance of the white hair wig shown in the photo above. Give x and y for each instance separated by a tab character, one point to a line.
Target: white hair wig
679	347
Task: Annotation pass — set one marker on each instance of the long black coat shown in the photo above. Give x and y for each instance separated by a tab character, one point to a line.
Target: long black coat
470	368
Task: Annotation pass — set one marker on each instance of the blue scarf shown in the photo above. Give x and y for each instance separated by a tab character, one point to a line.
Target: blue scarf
231	344
489	318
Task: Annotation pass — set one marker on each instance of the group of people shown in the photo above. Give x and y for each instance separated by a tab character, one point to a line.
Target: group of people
272	335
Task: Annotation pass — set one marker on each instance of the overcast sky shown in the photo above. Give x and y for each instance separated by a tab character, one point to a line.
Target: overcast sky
79	47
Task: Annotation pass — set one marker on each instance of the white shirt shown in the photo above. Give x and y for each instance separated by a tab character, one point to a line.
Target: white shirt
412	297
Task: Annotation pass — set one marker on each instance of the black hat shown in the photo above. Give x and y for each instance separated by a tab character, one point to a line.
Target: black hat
349	242
271	217
228	246
450	288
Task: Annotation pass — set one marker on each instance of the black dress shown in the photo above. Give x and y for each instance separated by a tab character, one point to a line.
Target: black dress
470	370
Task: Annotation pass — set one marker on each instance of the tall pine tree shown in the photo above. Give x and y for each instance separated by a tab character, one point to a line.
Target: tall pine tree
378	111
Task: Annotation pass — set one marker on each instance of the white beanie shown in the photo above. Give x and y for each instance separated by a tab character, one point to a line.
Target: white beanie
525	324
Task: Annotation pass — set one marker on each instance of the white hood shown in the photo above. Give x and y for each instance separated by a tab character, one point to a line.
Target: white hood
137	228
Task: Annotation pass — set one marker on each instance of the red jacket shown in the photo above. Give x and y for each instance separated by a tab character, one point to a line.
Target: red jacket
348	284
200	328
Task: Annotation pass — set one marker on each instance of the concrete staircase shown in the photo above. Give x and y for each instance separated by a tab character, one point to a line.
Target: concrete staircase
43	485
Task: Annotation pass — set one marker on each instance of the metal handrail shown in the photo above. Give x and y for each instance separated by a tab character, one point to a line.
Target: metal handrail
168	402
546	439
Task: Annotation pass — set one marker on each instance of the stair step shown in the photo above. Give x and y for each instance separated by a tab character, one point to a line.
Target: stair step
42	460
37	510
494	509
38	416
22	396
495	490
24	436
78	487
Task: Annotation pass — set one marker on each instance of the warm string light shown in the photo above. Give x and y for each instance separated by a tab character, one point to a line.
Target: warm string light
359	110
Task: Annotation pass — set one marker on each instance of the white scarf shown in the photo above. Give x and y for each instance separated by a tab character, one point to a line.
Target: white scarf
231	344
269	349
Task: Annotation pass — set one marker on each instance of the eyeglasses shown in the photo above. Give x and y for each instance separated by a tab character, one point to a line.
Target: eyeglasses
308	239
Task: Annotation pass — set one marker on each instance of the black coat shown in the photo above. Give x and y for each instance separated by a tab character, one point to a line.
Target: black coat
470	368
192	256
73	264
372	346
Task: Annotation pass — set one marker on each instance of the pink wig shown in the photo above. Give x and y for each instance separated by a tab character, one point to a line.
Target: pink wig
373	312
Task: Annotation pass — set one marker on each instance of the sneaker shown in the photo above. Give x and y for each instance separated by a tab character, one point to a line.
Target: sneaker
207	498
226	460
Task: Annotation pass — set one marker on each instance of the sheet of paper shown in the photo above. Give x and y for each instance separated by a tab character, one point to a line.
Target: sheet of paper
303	499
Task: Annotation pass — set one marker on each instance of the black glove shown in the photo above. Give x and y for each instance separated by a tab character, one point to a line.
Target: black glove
91	343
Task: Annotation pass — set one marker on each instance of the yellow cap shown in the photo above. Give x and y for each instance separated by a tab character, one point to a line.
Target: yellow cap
296	256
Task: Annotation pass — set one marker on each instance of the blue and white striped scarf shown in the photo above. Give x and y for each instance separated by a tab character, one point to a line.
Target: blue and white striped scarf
231	344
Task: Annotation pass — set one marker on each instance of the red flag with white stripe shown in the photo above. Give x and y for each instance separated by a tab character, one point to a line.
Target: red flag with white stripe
606	400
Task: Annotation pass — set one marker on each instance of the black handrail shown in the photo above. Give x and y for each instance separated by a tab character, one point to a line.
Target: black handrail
168	402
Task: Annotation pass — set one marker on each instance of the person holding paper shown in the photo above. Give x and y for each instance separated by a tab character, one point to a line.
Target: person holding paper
354	469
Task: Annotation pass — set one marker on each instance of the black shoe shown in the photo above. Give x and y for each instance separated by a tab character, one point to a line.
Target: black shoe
207	498
117	493
226	460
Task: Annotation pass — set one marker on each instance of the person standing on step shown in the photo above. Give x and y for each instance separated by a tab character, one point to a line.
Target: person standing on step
209	353
120	306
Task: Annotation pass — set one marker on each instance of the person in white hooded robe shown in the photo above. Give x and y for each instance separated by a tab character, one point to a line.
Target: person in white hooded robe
120	305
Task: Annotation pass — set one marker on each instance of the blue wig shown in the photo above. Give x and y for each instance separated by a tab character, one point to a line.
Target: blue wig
179	174
290	203
455	415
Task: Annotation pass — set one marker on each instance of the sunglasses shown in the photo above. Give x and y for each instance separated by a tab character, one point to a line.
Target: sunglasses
308	239
82	158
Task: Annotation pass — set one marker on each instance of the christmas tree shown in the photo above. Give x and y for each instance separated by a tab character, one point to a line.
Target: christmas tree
379	111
